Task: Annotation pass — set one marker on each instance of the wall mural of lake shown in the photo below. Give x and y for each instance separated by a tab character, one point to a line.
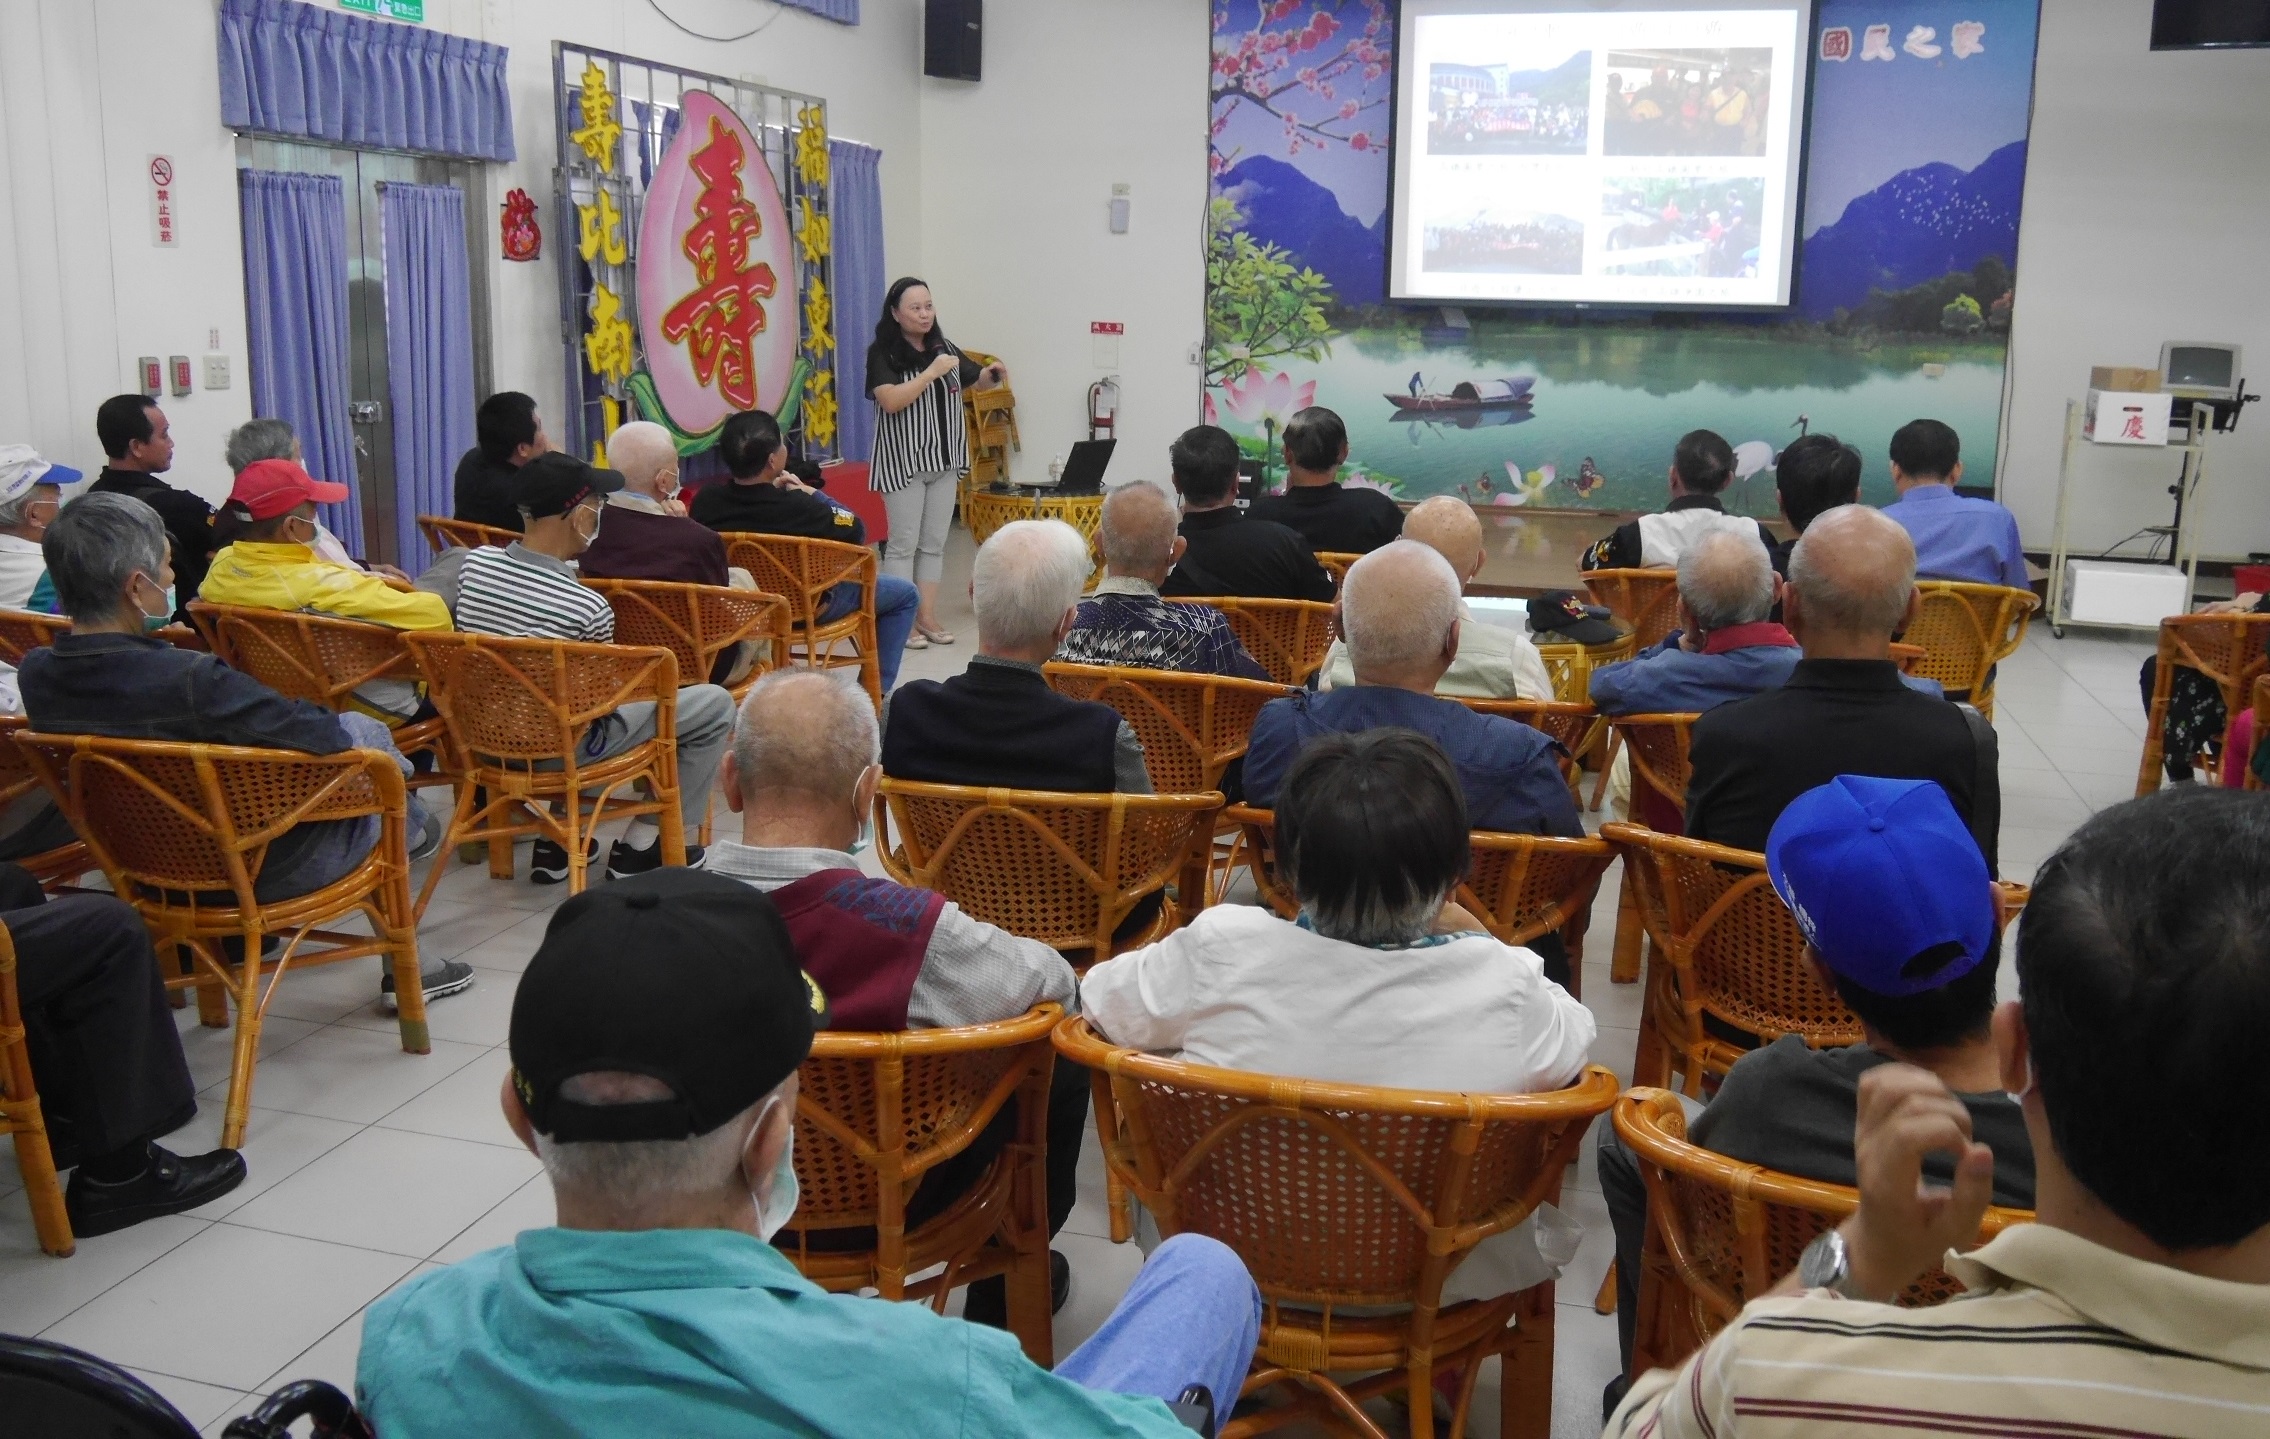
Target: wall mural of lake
1913	184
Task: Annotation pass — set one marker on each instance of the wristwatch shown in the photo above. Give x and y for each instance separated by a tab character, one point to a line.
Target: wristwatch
1825	1264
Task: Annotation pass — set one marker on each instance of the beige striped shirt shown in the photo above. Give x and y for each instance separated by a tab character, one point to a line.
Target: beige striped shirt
2058	1338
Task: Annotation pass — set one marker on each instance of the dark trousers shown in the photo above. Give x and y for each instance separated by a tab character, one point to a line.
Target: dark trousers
104	1050
1626	1196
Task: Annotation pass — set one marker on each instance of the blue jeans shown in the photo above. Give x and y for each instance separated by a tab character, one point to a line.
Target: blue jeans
895	603
309	856
1192	1316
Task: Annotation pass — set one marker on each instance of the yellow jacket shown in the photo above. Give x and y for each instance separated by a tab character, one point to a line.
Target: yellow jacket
292	577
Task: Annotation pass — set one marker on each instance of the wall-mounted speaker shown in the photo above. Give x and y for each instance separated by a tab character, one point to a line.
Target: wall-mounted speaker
953	39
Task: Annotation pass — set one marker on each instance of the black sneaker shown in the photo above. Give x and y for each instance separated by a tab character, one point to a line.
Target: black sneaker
549	863
623	862
454	975
171	1184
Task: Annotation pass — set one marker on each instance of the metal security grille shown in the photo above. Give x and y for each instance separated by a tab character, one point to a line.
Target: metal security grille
599	198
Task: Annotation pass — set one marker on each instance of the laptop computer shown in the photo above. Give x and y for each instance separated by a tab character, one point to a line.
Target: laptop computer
1084	467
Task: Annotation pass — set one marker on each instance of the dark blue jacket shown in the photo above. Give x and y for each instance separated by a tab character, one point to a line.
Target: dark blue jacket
138	687
1511	773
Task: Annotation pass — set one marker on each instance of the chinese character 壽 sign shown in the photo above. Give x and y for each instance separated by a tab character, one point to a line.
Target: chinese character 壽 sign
714	247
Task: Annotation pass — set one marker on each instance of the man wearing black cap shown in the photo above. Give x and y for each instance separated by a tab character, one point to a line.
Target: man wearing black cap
530	590
655	1042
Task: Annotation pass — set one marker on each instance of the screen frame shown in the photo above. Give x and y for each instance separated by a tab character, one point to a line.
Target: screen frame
1804	144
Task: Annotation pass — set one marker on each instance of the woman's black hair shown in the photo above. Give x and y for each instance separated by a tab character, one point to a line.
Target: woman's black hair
1371	834
893	339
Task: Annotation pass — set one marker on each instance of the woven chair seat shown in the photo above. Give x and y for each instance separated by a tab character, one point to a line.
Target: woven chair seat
1965	631
803	573
1342	1196
1645	599
1721	1233
1571	666
1289	638
698	624
56	868
22	631
1336	564
443	533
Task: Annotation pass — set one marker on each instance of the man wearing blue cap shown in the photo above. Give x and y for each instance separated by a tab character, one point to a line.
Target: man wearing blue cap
31	491
1899	918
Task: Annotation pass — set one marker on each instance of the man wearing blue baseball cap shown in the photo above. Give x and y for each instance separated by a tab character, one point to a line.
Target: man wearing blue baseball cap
1899	918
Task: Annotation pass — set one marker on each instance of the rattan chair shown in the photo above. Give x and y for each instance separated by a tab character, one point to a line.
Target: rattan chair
1336	564
876	1112
1065	869
698	623
1658	745
2229	650
1288	637
1720	1233
1344	1200
324	660
22	631
1965	631
801	573
182	832
517	711
2248	779
443	533
1647	600
1576	726
1909	658
1571	665
57	868
20	1116
1191	726
1727	956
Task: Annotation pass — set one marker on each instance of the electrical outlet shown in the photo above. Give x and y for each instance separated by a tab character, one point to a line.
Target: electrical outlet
216	372
1196	354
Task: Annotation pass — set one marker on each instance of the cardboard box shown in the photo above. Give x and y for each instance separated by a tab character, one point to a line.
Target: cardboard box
2107	592
2125	417
2134	379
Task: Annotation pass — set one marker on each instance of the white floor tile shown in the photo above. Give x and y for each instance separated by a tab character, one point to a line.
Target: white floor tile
512	948
211	1052
389	1189
353	1074
332	1358
528	1207
480	1015
277	1145
37	1289
466	1105
230	1305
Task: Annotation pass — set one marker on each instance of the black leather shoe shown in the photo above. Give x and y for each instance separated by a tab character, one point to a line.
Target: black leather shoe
171	1184
1059	1281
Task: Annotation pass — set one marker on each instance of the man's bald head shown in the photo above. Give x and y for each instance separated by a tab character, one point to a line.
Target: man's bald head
803	732
1448	526
1852	576
1726	579
1398	614
1138	532
640	451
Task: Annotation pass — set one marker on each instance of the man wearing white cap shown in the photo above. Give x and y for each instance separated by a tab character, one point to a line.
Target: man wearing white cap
31	491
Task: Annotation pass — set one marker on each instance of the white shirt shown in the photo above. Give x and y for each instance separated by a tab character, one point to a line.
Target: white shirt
22	562
1493	663
1665	537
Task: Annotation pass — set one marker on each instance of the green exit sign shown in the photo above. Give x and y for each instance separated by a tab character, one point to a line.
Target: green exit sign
413	11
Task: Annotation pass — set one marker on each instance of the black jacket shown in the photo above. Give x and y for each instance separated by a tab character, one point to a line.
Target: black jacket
1000	724
1832	717
1334	518
767	509
1233	555
483	492
188	522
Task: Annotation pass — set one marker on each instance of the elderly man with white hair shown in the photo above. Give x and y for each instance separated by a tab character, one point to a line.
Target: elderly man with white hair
1495	662
646	535
1843	709
1126	623
1727	646
998	722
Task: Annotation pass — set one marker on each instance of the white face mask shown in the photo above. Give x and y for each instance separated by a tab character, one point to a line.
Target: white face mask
2019	1097
778	1205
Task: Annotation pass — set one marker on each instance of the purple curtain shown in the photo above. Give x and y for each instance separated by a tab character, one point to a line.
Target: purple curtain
315	74
429	352
295	301
855	219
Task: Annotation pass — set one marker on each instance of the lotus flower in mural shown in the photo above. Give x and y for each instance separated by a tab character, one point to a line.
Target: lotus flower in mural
1261	399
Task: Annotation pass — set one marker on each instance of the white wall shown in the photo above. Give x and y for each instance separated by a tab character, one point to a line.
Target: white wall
1017	171
2147	203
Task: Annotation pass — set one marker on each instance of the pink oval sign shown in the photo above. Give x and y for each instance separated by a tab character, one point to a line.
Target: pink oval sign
716	273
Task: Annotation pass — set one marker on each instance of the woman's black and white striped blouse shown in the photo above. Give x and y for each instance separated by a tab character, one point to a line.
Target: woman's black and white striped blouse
926	436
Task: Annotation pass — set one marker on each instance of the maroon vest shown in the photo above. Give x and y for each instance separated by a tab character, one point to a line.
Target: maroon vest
863	939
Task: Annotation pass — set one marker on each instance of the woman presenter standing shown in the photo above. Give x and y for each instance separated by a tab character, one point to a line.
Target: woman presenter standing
921	450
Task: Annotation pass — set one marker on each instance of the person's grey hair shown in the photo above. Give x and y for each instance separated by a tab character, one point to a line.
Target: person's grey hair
1397	604
1024	579
1138	527
1726	578
257	440
14	513
1838	600
646	1173
638	450
97	542
804	732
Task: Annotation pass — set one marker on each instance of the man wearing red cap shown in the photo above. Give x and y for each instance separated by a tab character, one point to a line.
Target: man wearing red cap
273	566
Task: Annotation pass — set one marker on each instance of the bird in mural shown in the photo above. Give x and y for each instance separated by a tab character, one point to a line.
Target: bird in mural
1587	480
1803	424
1529	487
1752	456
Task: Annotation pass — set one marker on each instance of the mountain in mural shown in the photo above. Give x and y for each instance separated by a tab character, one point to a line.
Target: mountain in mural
1284	207
1916	226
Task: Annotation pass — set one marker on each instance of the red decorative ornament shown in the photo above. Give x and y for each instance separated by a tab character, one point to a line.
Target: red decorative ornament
523	239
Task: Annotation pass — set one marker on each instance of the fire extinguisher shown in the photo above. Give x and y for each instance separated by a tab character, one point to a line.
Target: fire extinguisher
1103	407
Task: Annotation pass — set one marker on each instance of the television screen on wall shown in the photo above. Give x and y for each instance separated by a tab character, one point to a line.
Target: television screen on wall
2205	24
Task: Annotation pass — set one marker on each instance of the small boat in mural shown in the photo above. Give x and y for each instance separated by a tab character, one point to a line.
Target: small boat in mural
1467	395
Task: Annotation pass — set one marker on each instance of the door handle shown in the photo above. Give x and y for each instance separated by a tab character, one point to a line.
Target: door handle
364	412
